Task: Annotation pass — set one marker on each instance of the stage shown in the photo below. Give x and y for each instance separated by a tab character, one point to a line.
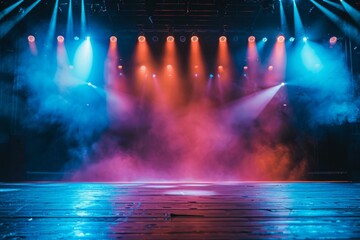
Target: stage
228	210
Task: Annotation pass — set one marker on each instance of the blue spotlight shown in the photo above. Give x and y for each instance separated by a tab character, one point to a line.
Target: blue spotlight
88	38
264	39
211	75
305	39
83	59
76	38
292	39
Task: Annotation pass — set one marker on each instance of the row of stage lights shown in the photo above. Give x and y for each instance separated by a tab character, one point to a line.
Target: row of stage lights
142	38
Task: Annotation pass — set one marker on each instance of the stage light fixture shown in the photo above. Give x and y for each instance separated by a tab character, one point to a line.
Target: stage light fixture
194	39
119	67
143	68
246	68
170	39
182	39
264	39
88	38
281	38
251	39
292	39
222	39
305	39
141	38
60	39
76	38
333	40
270	68
155	38
113	39
211	75
282	84
31	38
154	75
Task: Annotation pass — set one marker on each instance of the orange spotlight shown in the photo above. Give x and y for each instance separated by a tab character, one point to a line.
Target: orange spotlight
113	39
31	38
170	39
194	39
60	39
281	38
333	40
251	39
120	67
222	39
143	68
142	38
220	68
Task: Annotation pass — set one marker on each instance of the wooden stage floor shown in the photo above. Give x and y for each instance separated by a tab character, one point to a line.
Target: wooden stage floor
242	210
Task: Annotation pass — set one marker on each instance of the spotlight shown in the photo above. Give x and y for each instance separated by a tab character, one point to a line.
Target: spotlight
88	38
141	38
333	40
220	69
31	38
119	67
292	39
76	38
281	38
194	39
60	39
264	39
143	68
305	39
113	39
169	67
222	39
170	39
246	68
211	75
154	75
182	39
270	68
251	39
282	84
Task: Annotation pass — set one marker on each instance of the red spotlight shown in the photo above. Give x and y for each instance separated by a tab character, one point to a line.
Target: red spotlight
113	39
60	39
281	38
333	40
194	39
143	68
31	38
220	69
141	38
251	39
170	39
222	39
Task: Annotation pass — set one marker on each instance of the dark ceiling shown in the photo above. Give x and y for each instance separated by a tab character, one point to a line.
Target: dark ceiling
113	16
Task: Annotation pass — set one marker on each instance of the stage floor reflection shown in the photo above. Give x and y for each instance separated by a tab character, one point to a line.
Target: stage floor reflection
236	210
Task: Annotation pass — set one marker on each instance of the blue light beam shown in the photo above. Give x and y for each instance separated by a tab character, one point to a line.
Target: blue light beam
7	26
83	60
7	10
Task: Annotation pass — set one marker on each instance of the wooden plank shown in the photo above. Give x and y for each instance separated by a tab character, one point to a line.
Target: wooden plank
180	210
